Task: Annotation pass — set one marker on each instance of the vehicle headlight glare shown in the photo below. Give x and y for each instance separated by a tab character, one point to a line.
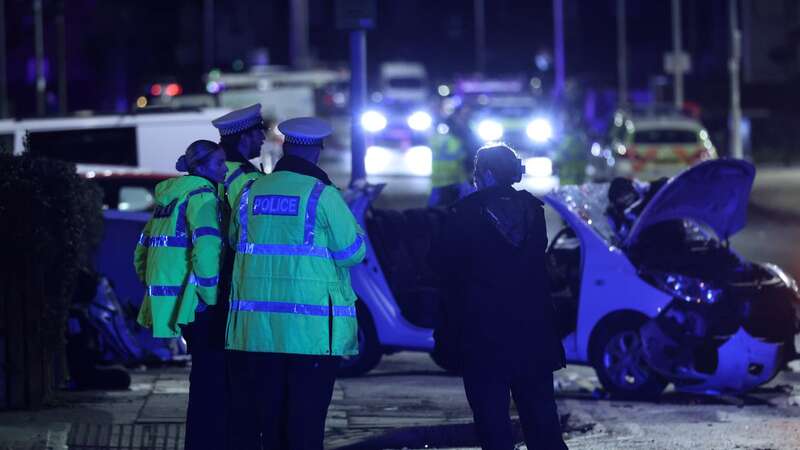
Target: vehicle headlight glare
539	130
373	121
419	121
539	166
490	130
377	159
689	289
419	160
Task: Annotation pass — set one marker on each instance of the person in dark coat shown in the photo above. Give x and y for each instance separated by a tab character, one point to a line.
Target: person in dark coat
497	323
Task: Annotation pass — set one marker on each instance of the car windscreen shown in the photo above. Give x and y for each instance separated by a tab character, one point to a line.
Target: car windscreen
112	146
406	83
589	202
660	136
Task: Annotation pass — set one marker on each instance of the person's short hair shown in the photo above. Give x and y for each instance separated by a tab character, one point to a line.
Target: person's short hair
502	160
196	155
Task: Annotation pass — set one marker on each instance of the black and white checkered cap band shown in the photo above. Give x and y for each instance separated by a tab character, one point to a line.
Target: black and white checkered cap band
238	127
302	140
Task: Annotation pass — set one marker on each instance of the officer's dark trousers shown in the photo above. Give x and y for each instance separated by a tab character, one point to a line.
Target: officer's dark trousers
488	385
206	417
283	398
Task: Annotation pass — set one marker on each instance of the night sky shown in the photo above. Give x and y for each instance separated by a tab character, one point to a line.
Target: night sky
116	48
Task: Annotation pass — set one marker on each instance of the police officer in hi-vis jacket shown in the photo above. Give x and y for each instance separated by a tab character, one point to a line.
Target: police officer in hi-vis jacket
178	259
292	309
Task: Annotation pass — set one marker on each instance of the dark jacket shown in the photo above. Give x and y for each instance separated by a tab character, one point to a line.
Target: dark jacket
491	254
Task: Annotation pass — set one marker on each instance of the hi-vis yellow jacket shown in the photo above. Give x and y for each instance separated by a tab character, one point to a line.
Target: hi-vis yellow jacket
178	254
294	238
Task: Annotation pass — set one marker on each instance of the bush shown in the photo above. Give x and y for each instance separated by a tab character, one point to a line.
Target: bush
51	220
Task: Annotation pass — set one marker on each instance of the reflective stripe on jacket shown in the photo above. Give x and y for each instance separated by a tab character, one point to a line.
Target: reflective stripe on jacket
178	254
291	293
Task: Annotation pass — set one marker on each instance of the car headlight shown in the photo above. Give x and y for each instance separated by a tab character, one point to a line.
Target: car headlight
539	166
419	160
688	289
490	130
419	121
373	121
539	130
377	159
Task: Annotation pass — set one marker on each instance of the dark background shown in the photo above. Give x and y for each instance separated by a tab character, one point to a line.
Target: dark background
114	49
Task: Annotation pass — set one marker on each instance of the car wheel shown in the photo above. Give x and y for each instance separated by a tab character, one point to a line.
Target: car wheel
617	355
369	349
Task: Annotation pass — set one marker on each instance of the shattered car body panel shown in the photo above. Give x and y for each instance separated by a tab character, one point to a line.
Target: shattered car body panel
609	281
714	322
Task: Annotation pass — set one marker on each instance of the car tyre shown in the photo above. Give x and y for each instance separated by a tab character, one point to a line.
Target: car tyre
369	349
617	355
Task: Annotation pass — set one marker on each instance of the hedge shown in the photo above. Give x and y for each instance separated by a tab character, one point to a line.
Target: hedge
50	220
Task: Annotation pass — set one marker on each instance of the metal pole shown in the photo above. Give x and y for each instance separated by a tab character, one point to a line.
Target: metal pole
298	34
622	56
62	59
208	35
558	38
676	48
358	96
3	76
41	81
733	66
480	36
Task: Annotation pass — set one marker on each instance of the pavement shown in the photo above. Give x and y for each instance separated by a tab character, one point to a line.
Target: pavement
407	402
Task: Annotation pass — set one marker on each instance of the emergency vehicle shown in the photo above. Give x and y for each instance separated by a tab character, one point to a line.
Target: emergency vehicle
652	145
506	110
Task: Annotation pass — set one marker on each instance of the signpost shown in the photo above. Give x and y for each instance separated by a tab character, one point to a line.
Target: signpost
357	16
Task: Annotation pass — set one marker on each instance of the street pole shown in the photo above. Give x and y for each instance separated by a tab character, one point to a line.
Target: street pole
41	81
480	36
3	76
622	56
208	35
676	48
358	97
733	66
62	58
298	34
558	38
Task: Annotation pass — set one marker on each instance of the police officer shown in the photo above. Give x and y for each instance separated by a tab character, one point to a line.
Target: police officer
499	315
178	259
292	312
573	152
241	136
450	160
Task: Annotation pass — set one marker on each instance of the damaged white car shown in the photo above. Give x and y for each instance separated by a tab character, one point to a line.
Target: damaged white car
671	301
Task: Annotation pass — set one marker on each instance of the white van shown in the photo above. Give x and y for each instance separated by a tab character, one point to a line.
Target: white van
136	143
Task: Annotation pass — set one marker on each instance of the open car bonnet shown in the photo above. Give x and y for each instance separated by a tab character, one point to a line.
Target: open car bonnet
714	193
